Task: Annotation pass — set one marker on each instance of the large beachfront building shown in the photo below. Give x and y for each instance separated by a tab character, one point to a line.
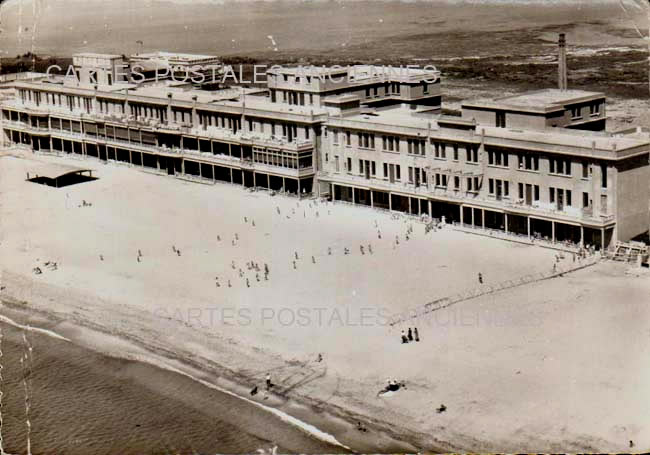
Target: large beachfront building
537	165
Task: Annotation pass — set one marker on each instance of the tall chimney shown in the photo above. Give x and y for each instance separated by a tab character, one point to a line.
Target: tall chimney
562	69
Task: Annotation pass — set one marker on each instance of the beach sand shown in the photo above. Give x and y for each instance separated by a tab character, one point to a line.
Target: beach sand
536	368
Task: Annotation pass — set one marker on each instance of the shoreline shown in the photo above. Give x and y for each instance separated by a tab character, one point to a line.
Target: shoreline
315	425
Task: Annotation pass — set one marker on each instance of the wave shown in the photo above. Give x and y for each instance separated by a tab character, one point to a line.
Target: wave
311	430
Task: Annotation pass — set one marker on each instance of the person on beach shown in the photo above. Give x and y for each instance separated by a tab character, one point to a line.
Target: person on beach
294	265
410	335
417	335
480	278
313	260
404	338
269	384
361	249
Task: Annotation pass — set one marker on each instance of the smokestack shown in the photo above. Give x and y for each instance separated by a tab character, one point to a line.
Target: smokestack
562	69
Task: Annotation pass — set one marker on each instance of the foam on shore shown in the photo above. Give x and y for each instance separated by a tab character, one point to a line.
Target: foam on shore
283	416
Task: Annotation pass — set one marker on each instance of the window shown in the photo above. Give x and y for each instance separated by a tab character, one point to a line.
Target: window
559	166
385	170
349	166
441	180
585	170
456	182
585	200
439	150
576	112
529	162
336	163
390	143
348	139
366	140
551	195
416	146
335	137
498	188
594	109
501	119
368	92
455	152
603	176
496	158
471	153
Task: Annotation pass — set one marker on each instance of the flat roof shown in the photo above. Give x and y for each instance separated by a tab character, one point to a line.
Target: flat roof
539	100
569	138
359	71
399	117
53	170
96	55
173	56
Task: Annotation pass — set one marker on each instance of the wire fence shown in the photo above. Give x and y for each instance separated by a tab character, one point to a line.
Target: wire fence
486	289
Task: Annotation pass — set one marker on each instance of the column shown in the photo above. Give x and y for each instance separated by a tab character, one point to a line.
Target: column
483	218
372	204
283	185
254	180
505	221
183	165
553	231
410	211
461	214
582	237
299	193
472	215
353	198
390	201
602	240
528	226
430	208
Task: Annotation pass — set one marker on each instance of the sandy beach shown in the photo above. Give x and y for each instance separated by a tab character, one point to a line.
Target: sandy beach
555	394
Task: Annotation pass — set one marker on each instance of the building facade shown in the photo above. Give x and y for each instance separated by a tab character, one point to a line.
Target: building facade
522	177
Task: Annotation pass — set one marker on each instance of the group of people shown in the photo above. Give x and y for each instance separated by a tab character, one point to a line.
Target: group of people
411	335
